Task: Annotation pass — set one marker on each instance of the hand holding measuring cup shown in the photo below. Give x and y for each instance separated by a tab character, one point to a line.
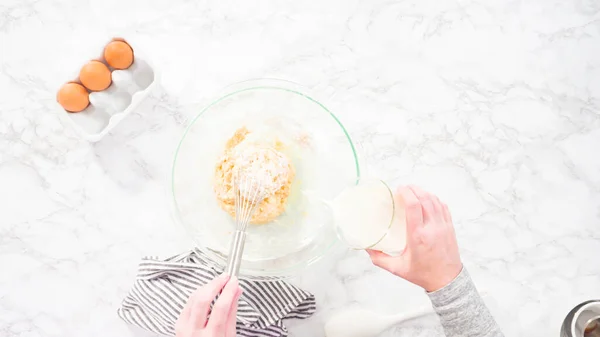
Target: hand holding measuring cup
431	258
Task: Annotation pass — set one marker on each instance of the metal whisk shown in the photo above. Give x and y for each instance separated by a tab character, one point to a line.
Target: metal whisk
248	194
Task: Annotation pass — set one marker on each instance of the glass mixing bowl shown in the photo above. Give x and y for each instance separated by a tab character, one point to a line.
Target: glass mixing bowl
314	140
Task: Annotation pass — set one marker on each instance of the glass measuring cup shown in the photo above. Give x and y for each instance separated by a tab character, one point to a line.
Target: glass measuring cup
367	216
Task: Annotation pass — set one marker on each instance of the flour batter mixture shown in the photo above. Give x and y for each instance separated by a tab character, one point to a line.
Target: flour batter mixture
252	155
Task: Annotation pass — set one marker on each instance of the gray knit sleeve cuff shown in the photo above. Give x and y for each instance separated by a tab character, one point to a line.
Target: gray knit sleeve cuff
460	286
462	311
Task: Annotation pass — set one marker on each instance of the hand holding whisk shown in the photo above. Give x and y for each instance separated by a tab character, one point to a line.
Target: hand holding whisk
249	193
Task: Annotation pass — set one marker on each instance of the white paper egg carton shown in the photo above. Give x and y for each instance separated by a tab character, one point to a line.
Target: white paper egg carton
107	108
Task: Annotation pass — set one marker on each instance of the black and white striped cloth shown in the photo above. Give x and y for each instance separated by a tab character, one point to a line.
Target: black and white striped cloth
162	288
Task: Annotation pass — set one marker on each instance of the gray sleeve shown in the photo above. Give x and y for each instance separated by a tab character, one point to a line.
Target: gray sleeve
462	311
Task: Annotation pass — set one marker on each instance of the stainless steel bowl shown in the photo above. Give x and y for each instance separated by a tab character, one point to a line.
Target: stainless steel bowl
582	321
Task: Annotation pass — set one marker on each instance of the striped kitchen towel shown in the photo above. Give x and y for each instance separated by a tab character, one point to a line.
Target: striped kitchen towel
162	288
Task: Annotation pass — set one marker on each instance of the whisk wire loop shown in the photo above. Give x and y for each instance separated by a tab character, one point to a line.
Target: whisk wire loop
248	195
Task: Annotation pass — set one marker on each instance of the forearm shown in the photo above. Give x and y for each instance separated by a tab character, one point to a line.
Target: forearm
462	311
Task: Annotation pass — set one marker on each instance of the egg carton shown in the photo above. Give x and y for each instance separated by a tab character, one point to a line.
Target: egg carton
108	107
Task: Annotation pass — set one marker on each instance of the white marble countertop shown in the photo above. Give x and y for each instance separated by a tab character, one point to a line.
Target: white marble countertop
493	105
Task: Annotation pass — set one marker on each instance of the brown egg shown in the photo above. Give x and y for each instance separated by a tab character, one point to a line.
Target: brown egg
118	54
73	97
95	76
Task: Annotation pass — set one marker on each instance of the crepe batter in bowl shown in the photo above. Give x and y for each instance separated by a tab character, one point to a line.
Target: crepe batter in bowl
252	156
295	228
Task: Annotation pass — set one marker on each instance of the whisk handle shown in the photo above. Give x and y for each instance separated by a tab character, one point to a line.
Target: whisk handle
235	253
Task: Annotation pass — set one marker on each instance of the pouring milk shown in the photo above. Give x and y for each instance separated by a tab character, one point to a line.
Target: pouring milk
367	217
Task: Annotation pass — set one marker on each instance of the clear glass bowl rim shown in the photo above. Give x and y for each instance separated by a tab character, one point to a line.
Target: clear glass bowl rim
228	91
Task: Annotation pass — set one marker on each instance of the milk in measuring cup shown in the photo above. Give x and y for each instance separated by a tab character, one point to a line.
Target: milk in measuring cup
367	217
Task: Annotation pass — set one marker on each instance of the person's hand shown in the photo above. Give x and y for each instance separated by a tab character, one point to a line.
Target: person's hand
193	320
430	259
